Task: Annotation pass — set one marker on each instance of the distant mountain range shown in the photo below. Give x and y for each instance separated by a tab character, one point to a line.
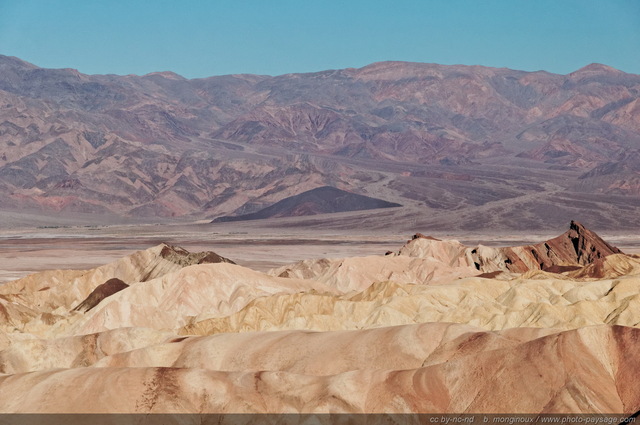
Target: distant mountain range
458	146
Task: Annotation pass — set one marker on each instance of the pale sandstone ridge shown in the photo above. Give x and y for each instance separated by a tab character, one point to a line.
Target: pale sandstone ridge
534	299
436	327
192	293
425	259
42	299
77	351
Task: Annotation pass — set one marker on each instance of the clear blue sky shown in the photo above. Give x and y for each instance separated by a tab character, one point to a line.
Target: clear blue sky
214	37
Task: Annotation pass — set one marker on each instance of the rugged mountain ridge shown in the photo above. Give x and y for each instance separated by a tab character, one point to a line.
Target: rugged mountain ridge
445	138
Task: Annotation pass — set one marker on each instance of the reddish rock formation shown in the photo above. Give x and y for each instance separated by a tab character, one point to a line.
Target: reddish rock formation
103	291
578	246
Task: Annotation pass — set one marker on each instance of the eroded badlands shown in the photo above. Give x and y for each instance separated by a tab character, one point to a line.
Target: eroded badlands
433	327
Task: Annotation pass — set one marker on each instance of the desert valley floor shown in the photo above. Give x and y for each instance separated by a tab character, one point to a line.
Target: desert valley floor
120	319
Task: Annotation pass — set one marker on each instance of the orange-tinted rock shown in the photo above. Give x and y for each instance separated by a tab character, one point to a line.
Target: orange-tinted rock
578	246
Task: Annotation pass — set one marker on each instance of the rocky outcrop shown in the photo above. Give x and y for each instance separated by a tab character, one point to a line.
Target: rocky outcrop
425	259
108	288
184	258
39	300
578	246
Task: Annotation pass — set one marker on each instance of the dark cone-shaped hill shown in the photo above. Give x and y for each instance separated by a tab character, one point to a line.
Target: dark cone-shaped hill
321	200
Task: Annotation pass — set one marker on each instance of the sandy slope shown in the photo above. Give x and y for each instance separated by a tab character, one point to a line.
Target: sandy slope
535	299
583	370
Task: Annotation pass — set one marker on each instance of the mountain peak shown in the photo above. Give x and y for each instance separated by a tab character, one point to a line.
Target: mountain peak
578	227
169	75
396	69
14	62
596	68
575	248
579	245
